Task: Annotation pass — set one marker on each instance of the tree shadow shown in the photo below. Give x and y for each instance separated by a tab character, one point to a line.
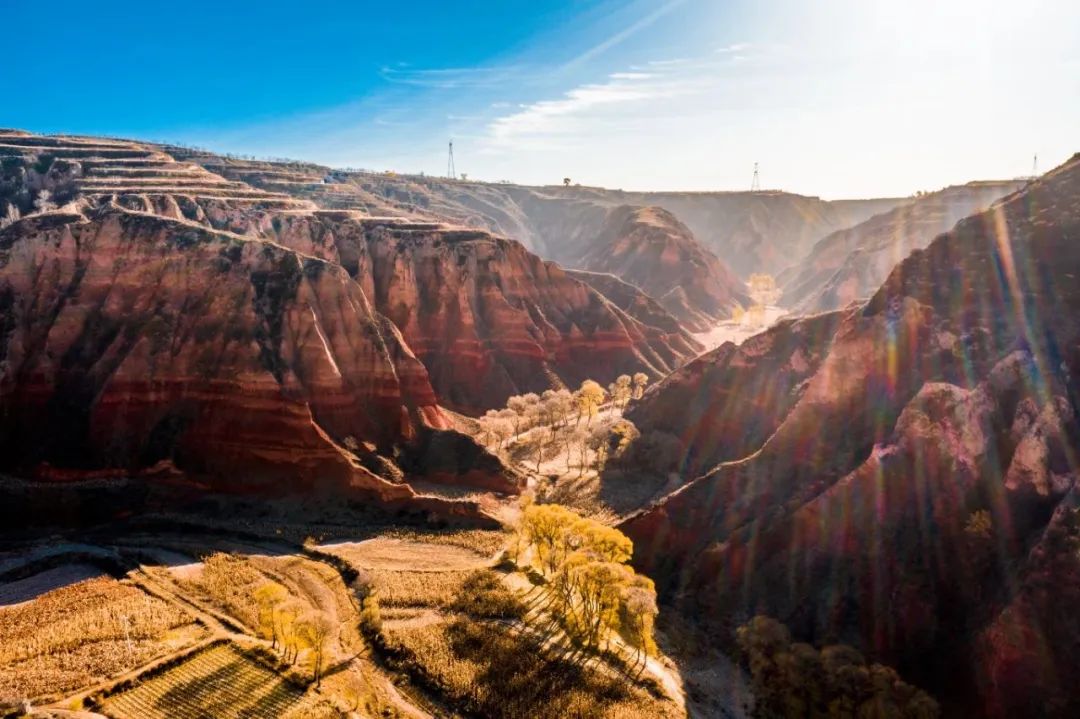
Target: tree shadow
520	679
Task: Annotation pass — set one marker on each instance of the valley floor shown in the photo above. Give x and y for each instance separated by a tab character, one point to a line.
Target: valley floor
738	332
174	623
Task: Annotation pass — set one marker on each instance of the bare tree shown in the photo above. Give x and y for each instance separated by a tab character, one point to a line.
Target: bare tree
10	217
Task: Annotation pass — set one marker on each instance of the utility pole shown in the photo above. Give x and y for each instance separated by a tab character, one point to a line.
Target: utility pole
755	186
451	172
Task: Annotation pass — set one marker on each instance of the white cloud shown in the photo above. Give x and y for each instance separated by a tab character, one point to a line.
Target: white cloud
672	61
552	122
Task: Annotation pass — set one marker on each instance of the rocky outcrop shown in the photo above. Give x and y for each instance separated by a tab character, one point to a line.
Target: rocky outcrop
851	264
920	492
649	248
487	318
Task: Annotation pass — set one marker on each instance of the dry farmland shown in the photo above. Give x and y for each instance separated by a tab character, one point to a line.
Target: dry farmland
84	633
217	682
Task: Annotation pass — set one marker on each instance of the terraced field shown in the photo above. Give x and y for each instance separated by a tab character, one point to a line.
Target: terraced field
219	682
141	176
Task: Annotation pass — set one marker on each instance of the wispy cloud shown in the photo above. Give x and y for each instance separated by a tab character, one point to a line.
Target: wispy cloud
567	119
631	98
625	34
671	61
452	77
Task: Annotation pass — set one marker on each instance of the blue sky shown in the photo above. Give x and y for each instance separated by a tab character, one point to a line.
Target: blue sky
839	98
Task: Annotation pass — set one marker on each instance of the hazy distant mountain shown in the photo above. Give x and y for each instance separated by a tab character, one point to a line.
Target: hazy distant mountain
851	263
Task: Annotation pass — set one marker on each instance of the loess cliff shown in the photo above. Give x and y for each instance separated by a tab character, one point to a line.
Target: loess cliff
487	318
152	324
131	339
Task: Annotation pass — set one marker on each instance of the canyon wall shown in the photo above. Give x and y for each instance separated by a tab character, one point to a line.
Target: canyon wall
921	492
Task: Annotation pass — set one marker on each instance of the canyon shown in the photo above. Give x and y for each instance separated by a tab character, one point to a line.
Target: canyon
889	462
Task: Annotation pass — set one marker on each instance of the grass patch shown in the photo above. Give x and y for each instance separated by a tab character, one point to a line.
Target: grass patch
484	594
229	582
485	542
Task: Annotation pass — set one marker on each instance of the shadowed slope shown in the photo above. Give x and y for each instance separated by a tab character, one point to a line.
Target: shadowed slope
952	392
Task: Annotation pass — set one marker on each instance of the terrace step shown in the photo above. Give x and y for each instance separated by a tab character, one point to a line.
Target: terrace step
58	141
8	144
177	170
205	180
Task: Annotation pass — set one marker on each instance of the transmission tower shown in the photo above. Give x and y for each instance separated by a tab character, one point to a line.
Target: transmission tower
755	186
450	171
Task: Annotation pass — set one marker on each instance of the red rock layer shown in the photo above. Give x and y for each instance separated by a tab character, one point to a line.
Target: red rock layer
127	339
643	308
921	494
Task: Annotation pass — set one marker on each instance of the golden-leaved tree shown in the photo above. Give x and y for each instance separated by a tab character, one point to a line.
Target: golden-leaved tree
595	593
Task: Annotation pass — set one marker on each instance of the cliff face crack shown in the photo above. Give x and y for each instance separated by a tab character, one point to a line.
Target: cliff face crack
325	344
